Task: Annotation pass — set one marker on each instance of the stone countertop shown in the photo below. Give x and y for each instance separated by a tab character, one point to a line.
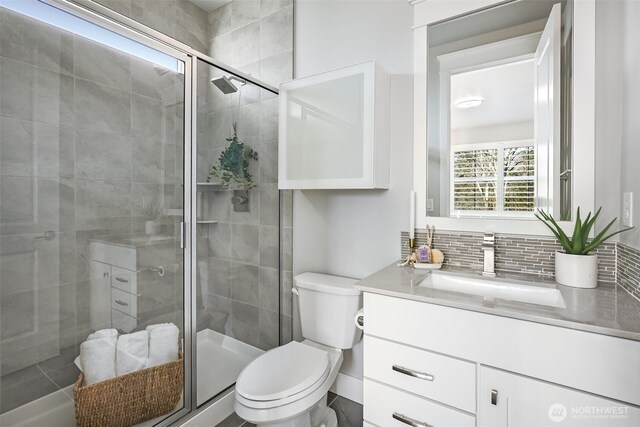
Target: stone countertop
607	309
133	241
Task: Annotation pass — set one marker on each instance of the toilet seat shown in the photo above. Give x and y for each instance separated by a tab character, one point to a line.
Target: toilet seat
283	375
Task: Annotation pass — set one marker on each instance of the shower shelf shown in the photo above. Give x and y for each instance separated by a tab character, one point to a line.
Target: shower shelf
209	186
207	221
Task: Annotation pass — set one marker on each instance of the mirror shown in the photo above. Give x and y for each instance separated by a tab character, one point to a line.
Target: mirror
499	112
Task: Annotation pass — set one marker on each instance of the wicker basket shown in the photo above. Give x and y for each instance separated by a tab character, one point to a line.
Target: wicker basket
129	399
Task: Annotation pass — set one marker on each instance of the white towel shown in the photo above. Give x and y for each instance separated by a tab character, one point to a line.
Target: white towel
132	351
98	356
163	343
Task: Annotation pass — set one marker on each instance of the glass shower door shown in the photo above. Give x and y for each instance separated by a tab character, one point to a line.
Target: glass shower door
92	146
237	227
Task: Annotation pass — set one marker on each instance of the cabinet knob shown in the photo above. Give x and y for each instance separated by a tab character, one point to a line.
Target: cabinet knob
105	274
494	397
412	373
122	303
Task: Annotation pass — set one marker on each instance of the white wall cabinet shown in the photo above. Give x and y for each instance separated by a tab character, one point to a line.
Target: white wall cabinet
441	366
334	130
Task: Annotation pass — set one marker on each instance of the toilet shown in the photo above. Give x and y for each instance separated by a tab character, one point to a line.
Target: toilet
288	386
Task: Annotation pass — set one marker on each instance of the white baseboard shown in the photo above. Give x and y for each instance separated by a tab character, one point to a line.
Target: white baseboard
348	387
213	414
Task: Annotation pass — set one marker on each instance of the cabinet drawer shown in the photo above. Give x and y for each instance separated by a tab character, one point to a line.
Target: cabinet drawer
124	302
122	322
445	379
382	402
124	279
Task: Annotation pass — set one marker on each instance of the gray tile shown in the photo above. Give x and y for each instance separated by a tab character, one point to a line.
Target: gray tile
269	121
269	329
220	240
268	163
146	118
245	283
220	20
34	149
269	246
244	323
101	64
148	161
244	12
286	284
37	94
249	124
349	413
102	156
35	42
219	277
101	108
157	14
276	69
286	249
27	201
269	205
276	32
269	6
238	47
103	205
25	392
232	420
286	208
269	289
191	25
245	241
286	326
155	81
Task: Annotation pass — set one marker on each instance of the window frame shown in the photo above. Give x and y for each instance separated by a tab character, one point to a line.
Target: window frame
500	146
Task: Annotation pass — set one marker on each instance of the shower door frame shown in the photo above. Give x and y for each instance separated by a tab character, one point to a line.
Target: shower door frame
113	21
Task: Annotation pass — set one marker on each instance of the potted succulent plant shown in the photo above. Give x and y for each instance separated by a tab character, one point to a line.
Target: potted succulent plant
152	213
576	266
233	165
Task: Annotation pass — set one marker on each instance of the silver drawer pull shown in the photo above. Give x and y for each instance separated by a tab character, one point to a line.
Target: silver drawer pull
409	421
121	280
122	303
412	373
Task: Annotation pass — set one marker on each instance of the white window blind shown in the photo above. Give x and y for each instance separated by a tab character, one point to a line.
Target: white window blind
493	179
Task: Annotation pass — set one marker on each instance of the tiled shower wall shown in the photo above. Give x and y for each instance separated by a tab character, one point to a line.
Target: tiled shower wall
256	37
513	253
629	269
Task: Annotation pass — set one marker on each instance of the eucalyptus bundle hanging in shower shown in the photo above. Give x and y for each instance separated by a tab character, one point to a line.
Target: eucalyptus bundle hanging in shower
233	165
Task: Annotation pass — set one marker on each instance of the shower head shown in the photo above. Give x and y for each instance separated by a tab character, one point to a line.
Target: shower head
224	83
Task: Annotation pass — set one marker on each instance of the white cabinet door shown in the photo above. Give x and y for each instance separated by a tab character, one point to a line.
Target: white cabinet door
334	130
100	309
508	399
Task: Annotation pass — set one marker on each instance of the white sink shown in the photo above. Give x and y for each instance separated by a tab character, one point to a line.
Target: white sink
512	290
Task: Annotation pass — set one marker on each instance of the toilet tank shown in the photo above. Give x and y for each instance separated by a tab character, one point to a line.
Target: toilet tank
328	305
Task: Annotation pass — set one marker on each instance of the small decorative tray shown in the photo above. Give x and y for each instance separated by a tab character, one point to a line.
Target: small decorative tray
426	266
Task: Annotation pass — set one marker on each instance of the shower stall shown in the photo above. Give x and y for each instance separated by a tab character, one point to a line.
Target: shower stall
137	187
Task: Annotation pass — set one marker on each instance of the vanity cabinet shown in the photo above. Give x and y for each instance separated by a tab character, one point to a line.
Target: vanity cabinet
510	400
334	130
434	365
125	293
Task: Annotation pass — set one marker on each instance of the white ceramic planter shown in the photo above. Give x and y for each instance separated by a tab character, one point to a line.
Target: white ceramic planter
152	227
579	271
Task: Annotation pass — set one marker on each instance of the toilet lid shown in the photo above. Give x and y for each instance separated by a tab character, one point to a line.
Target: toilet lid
283	372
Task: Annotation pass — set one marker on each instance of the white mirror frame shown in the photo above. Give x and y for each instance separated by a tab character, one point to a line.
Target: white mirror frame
427	12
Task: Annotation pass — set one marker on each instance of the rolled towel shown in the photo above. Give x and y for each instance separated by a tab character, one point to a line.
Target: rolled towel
132	351
163	343
98	356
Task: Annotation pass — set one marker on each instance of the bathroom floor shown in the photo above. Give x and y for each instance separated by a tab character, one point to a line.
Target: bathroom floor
349	414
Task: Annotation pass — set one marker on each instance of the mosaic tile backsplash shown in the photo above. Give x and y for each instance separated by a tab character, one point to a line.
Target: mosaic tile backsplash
514	253
629	269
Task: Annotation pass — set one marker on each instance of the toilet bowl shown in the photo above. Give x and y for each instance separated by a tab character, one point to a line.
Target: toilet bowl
288	386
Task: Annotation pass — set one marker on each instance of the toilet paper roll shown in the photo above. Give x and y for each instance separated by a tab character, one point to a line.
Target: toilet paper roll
359	319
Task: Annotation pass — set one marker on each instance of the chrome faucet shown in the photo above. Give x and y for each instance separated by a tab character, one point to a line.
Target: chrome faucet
488	248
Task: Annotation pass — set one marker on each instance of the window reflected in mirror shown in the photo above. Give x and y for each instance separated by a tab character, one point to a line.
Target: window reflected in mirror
499	135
